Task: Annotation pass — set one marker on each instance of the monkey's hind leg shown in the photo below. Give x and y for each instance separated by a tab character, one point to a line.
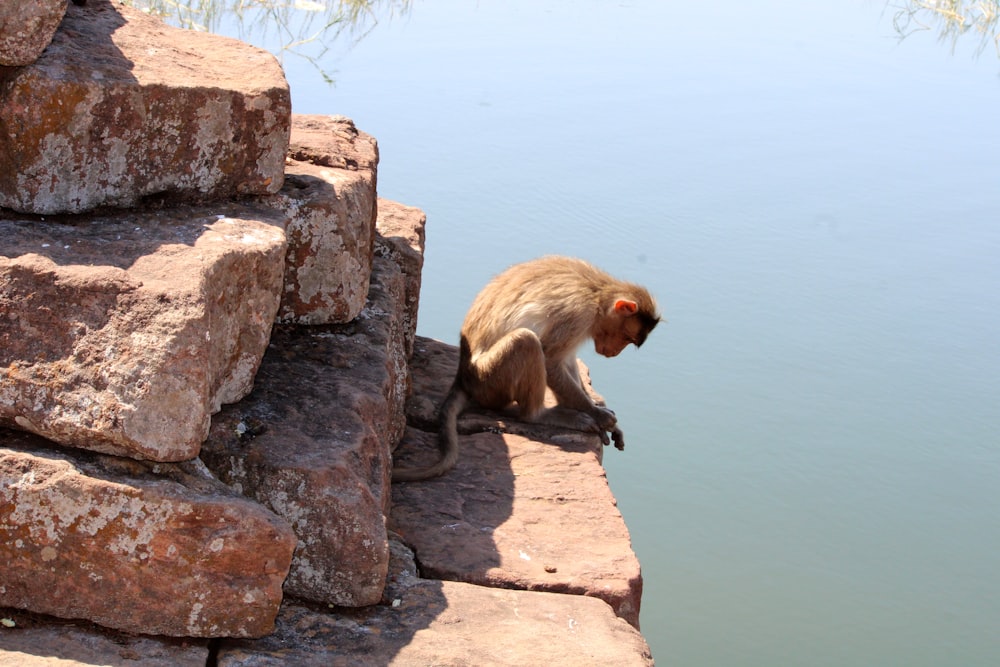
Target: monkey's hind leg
512	371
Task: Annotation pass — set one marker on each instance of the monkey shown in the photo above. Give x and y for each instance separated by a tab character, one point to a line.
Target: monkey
521	335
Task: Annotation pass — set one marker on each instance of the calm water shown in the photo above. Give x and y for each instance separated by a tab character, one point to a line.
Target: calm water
813	470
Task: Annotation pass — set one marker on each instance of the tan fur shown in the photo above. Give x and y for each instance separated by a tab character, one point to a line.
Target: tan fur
521	335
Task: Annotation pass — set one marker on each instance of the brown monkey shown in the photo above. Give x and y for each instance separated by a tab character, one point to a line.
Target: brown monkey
521	335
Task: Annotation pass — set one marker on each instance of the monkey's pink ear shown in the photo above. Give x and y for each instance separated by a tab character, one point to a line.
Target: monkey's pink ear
626	307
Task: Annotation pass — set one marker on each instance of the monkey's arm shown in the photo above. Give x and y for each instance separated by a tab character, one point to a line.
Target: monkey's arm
616	433
564	380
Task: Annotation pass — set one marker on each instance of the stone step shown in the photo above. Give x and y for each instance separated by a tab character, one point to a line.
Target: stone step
420	622
33	641
146	548
123	333
427	622
120	108
527	507
311	442
329	203
401	238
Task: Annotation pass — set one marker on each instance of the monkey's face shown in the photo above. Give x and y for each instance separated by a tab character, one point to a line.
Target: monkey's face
608	349
616	333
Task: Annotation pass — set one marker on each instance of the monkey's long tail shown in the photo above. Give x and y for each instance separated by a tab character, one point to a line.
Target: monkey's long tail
452	407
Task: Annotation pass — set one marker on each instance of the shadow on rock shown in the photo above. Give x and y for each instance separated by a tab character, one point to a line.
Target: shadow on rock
526	507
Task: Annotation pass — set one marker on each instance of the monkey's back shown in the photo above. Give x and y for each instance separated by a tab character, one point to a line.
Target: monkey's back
556	297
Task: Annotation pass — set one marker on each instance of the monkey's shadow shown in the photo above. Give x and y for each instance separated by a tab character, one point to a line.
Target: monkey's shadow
490	520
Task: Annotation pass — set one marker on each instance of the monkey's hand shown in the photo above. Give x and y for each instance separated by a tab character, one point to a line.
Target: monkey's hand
596	419
605	418
607	422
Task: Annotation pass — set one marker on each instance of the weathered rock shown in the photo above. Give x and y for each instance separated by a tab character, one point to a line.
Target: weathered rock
329	201
121	107
332	141
124	333
26	28
330	204
448	623
492	520
401	238
312	443
35	641
331	227
148	548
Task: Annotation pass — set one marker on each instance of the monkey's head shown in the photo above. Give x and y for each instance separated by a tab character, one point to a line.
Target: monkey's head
627	321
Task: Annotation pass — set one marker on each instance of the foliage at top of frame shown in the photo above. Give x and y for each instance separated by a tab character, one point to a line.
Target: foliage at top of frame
304	28
952	19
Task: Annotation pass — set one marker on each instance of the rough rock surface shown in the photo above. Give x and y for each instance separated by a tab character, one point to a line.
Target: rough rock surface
312	441
121	107
450	623
124	333
530	510
35	641
331	228
332	141
148	548
447	623
401	238
331	211
26	28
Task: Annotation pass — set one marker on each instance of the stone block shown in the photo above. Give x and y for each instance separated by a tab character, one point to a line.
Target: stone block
329	203
330	223
36	641
401	238
121	108
148	548
428	622
124	333
332	141
26	28
312	443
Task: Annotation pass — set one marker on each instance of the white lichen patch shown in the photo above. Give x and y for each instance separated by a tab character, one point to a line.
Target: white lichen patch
66	503
194	617
27	480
